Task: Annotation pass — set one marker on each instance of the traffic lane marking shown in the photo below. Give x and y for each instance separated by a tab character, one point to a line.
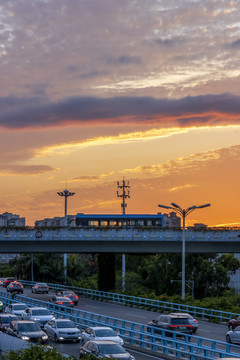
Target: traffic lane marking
139	316
93	307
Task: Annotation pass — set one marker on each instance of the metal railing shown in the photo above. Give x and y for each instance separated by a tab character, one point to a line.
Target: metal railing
145	303
138	335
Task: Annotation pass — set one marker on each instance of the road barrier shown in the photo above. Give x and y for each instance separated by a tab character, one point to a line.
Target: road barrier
144	303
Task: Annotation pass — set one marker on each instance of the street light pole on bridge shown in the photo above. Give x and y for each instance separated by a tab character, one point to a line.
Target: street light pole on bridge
183	213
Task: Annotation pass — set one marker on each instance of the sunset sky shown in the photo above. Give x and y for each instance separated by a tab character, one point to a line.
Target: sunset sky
96	90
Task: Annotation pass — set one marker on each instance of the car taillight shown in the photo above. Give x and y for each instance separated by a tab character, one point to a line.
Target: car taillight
75	297
59	302
39	287
71	302
195	320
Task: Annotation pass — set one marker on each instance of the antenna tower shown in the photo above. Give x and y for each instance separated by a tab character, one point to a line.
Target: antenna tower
123	195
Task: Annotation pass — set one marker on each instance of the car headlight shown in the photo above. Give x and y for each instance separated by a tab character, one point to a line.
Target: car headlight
25	337
36	319
1	303
45	337
121	342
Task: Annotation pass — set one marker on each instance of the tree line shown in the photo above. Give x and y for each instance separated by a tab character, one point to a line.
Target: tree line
207	275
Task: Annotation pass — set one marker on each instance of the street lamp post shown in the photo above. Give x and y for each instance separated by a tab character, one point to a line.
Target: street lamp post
183	213
66	194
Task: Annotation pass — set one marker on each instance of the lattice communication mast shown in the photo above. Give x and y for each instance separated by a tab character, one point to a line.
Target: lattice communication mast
124	195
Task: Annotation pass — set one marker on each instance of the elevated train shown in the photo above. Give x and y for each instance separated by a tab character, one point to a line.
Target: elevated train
120	220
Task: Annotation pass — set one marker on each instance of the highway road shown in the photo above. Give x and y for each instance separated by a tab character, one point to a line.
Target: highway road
206	329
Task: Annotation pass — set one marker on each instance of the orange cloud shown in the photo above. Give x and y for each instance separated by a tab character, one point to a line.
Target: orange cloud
132	137
14	169
90	178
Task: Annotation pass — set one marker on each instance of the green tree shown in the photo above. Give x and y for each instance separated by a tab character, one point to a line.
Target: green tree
162	273
42	353
36	353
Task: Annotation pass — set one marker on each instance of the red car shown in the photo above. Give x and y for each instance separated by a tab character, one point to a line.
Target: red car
233	323
8	280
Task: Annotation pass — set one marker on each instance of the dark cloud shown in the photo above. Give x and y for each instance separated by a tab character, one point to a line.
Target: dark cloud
236	44
79	110
195	120
72	68
13	104
124	60
38	90
93	74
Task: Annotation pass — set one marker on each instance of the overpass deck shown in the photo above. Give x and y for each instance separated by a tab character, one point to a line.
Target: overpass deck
124	240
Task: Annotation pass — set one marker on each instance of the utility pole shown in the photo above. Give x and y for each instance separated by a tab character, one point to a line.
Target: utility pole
65	194
124	196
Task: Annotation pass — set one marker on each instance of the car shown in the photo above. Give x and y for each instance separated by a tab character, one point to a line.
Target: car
176	323
233	336
62	330
16	309
8	280
233	323
100	333
5	320
38	314
40	288
15	287
191	319
104	349
1	306
27	330
62	301
69	294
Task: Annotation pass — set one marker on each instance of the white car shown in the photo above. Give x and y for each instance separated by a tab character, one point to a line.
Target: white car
16	309
233	336
100	333
40	315
62	330
40	288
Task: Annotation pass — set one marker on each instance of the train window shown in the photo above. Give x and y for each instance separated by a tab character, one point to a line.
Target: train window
112	223
93	223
